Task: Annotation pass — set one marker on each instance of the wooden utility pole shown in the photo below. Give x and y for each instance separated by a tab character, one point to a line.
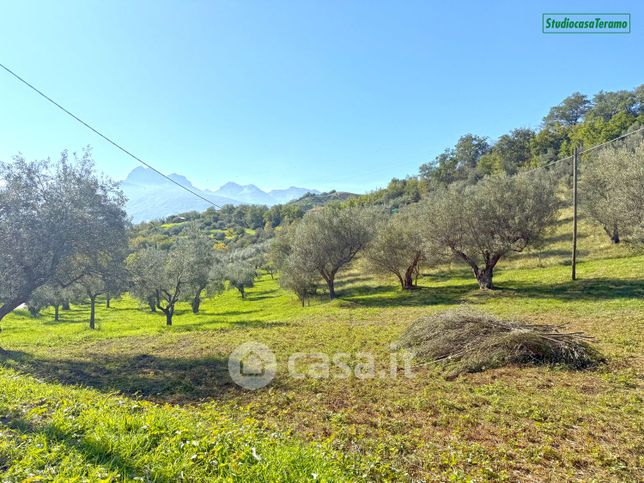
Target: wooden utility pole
575	164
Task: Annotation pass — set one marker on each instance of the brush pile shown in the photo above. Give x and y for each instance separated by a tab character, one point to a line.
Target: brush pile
468	341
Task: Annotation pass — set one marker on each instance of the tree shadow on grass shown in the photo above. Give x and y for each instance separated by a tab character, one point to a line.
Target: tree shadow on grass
225	325
387	296
343	280
468	291
152	377
593	289
250	297
229	313
22	314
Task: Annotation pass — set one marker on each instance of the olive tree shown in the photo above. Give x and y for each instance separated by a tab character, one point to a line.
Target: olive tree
160	277
197	248
105	273
51	295
240	275
611	189
329	238
399	247
53	218
106	278
482	223
280	247
300	280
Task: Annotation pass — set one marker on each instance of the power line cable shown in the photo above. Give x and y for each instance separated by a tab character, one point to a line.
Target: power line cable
109	140
584	151
189	190
612	140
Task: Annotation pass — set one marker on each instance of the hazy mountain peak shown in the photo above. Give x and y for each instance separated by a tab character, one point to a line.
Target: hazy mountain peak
179	178
150	196
141	175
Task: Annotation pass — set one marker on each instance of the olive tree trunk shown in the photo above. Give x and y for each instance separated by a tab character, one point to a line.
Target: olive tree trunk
484	278
196	301
613	234
92	312
10	306
330	283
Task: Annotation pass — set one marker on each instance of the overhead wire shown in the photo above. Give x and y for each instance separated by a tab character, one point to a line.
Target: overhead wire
107	138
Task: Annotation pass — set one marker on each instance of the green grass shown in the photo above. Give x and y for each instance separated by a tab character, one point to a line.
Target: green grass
135	398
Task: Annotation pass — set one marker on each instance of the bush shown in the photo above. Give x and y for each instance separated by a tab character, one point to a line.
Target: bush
467	341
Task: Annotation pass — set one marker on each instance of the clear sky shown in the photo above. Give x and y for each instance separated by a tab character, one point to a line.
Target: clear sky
323	94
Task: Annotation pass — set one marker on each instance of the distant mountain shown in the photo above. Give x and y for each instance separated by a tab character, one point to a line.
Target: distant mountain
249	193
150	196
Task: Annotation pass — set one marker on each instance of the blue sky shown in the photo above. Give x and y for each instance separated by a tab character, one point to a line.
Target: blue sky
322	94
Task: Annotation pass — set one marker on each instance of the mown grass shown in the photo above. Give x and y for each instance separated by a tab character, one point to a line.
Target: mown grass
137	399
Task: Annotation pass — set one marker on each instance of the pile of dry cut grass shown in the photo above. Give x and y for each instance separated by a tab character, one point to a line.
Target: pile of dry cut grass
468	341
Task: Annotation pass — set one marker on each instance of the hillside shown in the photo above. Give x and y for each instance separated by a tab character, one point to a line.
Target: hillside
514	423
312	200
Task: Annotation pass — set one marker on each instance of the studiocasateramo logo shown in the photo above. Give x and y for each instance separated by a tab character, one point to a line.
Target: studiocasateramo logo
586	23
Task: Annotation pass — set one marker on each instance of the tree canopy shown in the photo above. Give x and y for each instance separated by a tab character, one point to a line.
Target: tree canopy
55	219
329	238
481	223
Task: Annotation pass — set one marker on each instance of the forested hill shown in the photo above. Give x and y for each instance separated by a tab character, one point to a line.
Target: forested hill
578	120
234	226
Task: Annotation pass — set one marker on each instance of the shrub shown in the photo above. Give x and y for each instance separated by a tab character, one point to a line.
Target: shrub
464	340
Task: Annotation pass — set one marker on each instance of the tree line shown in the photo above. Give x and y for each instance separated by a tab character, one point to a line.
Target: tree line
65	236
578	120
476	223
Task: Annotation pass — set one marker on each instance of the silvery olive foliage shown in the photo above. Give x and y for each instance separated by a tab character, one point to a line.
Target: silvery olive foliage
611	189
327	239
56	220
479	224
400	248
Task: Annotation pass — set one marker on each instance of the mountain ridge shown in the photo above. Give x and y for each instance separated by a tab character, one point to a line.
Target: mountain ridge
150	196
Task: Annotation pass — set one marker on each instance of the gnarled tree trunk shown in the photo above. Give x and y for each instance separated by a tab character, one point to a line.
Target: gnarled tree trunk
483	275
411	274
484	278
330	284
408	280
10	306
196	301
168	316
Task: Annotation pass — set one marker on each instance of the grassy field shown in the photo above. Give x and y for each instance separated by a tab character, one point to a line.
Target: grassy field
135	399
